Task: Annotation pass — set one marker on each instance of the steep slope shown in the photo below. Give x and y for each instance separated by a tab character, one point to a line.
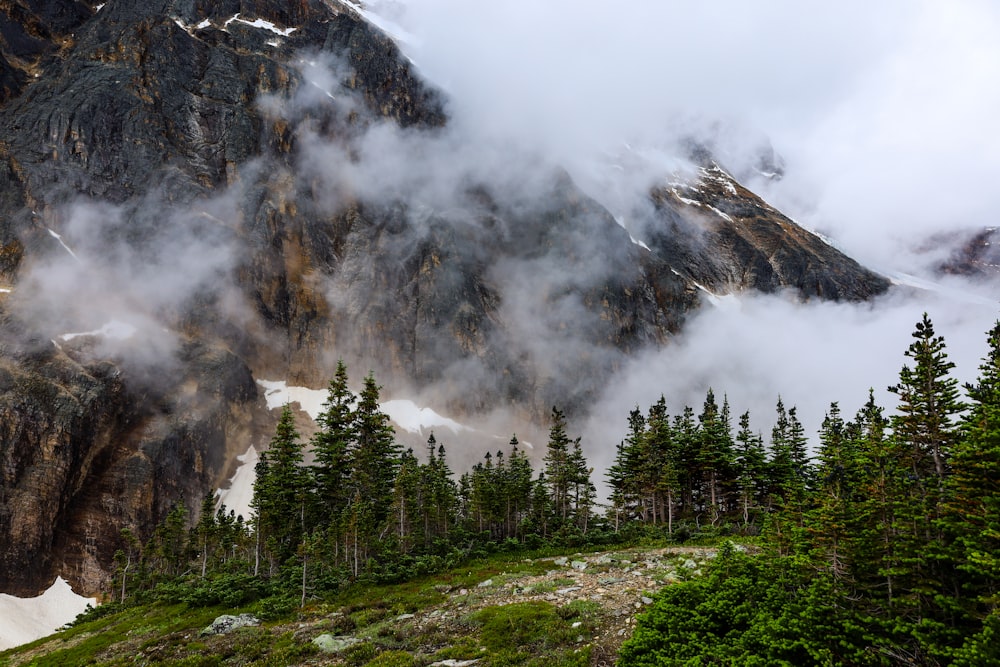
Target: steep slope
198	170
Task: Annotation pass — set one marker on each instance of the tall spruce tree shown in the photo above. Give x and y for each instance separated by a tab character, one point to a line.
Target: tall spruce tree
558	473
331	446
280	492
972	517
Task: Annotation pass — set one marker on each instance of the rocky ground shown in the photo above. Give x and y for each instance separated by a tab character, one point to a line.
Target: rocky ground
573	610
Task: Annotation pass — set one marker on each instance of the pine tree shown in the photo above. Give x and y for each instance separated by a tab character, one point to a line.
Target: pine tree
837	480
972	517
581	488
925	434
715	453
331	446
928	403
206	532
557	470
375	458
750	463
520	475
280	492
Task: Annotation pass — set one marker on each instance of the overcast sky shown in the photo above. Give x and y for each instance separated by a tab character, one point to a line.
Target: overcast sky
887	114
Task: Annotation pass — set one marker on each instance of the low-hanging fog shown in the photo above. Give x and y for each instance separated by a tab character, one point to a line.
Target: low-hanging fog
887	118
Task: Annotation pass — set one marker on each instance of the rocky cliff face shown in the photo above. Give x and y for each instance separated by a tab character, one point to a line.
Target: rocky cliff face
183	166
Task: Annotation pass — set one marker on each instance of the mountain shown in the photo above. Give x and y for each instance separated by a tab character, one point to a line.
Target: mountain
197	195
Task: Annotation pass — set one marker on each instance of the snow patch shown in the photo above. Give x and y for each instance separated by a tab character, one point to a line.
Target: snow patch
729	302
414	419
391	28
24	620
57	237
115	330
277	393
239	493
403	412
723	215
99	7
259	23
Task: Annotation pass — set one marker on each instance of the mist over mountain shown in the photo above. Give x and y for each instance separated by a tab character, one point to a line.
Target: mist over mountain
195	196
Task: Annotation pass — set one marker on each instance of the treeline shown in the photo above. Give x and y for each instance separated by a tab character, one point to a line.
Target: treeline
883	550
362	509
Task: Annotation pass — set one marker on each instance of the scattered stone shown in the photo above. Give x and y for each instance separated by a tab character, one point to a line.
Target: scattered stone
405	617
228	623
561	561
689	564
568	590
444	589
451	662
463	591
328	643
577	624
578	565
484	584
646	600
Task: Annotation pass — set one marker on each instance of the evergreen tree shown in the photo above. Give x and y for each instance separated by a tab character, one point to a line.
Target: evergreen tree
520	475
925	434
331	446
928	402
206	532
280	492
750	463
715	454
557	469
972	518
374	460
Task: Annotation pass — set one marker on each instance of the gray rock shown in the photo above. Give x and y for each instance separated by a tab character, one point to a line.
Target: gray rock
228	623
328	643
568	590
561	561
646	600
454	663
485	584
578	565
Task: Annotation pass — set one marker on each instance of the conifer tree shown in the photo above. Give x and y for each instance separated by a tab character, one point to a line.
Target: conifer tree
750	465
280	491
375	457
206	532
520	475
972	518
925	434
331	446
715	453
557	469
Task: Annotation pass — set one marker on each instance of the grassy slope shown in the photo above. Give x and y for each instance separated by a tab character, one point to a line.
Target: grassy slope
506	610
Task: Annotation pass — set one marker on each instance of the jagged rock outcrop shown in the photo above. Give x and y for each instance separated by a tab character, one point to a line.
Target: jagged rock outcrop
183	120
726	239
975	253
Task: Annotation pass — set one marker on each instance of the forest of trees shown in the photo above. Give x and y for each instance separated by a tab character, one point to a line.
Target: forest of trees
882	547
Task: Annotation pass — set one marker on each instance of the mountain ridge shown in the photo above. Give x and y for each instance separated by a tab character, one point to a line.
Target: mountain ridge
199	195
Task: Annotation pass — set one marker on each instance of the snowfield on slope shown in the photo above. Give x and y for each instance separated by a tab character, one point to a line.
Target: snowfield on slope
24	620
